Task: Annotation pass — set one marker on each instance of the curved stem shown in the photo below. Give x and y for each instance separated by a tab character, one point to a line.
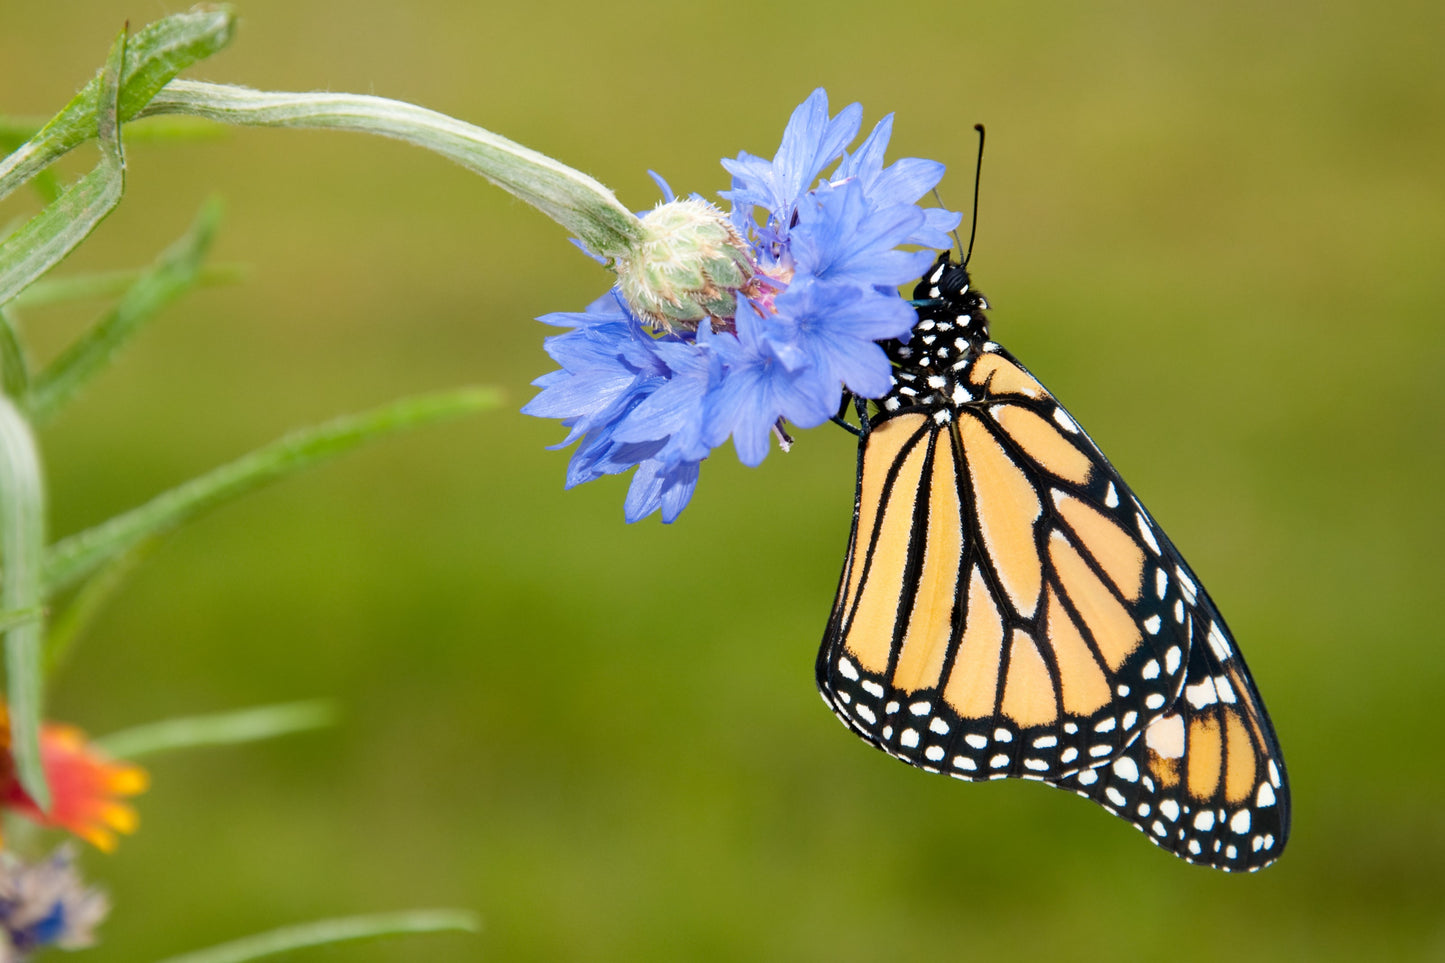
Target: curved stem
579	203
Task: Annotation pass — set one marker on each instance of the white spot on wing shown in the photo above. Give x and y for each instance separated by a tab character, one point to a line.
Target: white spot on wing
1064	421
847	669
975	740
1166	736
1240	822
1226	691
1146	534
1204	821
1201	695
1191	591
1219	642
1265	796
1125	769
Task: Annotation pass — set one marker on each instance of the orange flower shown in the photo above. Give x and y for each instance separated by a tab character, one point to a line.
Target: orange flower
85	785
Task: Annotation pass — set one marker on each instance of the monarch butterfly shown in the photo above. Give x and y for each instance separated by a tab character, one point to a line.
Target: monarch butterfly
1008	608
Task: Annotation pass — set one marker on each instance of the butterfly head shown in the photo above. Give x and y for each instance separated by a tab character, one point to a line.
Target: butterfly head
950	333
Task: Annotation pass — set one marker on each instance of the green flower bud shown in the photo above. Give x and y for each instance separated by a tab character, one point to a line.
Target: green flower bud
690	263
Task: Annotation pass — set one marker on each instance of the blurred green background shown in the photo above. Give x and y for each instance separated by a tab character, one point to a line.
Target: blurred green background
1215	230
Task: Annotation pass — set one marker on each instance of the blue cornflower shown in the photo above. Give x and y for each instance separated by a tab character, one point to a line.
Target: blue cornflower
760	317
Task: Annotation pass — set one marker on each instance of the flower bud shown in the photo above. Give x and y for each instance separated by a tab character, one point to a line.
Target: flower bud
690	264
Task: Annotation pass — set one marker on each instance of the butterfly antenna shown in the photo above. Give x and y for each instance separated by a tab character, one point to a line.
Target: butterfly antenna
939	198
977	174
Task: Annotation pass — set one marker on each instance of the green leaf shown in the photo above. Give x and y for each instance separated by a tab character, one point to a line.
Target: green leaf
11	618
323	932
72	621
219	729
156	54
22	552
75	557
22	488
14	362
104	285
53	233
174	272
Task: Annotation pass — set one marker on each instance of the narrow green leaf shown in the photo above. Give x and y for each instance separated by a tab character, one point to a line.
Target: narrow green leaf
103	285
53	233
67	627
14	362
45	183
11	618
173	273
15	131
22	552
157	53
73	558
22	487
579	203
323	932
219	729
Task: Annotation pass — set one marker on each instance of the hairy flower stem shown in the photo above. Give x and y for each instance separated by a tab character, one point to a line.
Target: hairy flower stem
579	203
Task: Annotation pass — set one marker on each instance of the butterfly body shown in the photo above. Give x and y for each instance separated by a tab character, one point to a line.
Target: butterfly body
1008	608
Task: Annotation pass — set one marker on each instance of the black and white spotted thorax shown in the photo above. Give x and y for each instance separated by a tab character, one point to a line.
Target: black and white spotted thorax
931	367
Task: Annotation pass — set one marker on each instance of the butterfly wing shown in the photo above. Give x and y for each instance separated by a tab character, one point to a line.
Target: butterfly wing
1206	780
1006	608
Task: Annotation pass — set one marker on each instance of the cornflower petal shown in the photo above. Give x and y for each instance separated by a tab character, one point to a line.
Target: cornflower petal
810	143
823	266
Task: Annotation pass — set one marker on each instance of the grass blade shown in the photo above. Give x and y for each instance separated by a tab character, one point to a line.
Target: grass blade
324	932
174	272
13	617
106	285
219	729
155	54
75	557
53	233
14	362
22	549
